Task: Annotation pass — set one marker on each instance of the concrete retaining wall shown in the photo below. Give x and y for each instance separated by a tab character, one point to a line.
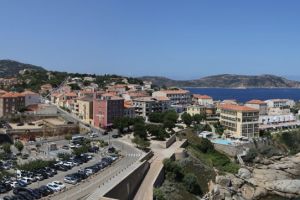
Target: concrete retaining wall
160	178
170	141
128	187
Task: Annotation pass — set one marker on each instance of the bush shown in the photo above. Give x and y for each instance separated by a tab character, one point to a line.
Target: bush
205	146
187	118
156	117
191	184
68	137
158	194
64	156
19	145
6	148
36	164
173	170
141	142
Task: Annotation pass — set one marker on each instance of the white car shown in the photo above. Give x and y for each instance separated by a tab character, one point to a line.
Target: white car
53	187
94	135
59	184
14	184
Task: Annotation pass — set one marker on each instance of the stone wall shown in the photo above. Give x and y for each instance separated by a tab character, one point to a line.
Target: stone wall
128	187
170	141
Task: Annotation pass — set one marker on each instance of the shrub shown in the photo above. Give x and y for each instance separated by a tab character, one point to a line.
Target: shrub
191	184
205	145
158	194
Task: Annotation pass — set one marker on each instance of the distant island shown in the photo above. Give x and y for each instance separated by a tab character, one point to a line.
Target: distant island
226	81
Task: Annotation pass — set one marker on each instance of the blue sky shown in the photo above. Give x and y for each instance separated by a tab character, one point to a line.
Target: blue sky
177	39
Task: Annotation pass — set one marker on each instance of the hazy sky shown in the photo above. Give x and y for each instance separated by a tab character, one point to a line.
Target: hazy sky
179	39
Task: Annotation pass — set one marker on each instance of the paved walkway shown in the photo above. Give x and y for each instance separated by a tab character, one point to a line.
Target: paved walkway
145	191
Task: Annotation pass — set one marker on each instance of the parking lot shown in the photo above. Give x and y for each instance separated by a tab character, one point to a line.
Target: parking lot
87	169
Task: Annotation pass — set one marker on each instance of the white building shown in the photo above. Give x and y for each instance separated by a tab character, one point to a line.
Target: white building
31	98
146	105
259	105
279	103
176	96
203	100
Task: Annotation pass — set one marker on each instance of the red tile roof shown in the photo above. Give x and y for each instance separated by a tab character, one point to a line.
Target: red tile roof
12	95
199	96
256	101
175	91
236	107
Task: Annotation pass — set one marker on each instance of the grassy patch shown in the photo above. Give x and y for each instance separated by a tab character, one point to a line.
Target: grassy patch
212	158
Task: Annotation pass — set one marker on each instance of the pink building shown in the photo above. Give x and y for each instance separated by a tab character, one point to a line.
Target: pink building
106	109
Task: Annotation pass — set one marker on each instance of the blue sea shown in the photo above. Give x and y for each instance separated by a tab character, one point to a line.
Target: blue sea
243	95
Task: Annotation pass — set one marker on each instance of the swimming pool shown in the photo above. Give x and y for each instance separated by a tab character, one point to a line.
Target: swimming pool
221	141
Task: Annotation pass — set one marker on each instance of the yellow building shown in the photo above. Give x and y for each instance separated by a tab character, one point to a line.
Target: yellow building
195	109
85	109
239	120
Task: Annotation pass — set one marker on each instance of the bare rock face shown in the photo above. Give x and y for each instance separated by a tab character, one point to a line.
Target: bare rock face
223	181
244	173
289	188
279	177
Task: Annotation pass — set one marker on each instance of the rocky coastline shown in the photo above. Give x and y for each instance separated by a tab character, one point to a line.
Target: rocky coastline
277	175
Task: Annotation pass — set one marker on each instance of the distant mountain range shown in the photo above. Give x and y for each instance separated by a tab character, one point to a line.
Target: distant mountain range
227	81
11	68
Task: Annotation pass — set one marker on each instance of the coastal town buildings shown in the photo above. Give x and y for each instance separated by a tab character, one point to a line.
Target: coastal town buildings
196	109
239	120
259	105
176	96
85	109
31	98
106	109
203	100
11	103
146	105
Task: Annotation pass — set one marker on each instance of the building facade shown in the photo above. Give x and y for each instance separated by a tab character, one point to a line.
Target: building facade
203	100
146	105
31	98
195	109
176	96
259	105
106	109
239	120
85	109
11	103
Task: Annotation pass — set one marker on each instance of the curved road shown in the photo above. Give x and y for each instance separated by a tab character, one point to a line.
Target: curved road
106	179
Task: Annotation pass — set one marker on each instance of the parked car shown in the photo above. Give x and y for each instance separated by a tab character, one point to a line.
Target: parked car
53	187
71	179
45	191
59	184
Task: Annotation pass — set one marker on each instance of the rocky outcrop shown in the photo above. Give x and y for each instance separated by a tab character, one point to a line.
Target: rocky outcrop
275	176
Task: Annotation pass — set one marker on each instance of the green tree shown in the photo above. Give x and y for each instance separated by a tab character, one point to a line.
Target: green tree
205	145
158	194
156	117
121	123
173	170
68	137
6	148
191	184
19	145
80	150
199	117
141	143
140	130
187	118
